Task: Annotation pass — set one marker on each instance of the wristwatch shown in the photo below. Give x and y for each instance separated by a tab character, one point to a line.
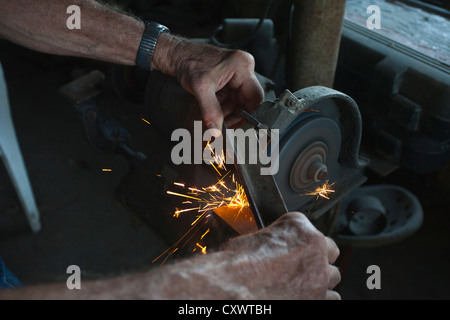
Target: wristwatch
148	44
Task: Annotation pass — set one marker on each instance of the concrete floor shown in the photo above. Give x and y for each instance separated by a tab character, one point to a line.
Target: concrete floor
84	224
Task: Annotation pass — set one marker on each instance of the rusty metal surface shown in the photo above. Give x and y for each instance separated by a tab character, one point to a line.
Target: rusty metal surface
316	34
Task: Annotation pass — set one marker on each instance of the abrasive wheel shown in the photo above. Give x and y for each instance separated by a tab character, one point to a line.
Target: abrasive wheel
309	152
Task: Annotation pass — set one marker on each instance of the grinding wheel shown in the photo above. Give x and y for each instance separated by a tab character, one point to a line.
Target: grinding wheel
309	152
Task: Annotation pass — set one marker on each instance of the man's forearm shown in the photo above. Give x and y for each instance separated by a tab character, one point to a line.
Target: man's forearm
201	277
40	25
290	259
203	70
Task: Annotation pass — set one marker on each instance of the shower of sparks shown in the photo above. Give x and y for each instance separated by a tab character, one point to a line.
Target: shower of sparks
218	159
227	192
322	191
213	197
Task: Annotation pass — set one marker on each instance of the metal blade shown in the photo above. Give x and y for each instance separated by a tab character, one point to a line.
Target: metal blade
262	191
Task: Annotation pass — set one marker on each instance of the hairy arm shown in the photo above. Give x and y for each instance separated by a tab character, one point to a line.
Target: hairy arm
222	80
40	25
288	260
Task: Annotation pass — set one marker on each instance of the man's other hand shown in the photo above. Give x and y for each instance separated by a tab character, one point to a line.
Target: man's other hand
223	81
290	259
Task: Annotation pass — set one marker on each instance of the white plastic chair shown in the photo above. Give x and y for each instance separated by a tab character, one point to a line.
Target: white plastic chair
12	158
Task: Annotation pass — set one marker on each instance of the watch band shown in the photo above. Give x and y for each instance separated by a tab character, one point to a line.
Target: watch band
148	44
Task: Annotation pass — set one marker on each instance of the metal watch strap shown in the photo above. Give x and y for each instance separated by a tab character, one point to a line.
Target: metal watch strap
148	44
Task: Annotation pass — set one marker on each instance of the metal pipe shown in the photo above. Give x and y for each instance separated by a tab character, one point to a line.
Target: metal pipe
314	47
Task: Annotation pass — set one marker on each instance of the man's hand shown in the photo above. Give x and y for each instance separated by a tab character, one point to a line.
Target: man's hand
290	259
222	80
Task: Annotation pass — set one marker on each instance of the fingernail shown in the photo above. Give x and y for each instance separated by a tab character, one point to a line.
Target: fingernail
216	133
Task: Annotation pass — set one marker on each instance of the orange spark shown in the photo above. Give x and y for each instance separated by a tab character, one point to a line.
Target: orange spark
186	210
212	163
146	121
203	235
203	248
196	190
322	191
182	195
196	220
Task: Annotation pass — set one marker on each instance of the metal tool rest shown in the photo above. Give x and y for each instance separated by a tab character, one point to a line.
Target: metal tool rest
12	158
